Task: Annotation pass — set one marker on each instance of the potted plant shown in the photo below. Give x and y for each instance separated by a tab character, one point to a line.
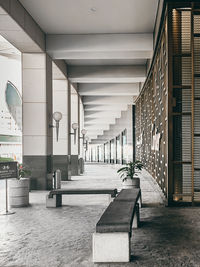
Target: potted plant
19	188
5	159
128	173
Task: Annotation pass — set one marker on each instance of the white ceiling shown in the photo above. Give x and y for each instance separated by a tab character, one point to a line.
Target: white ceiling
102	62
106	44
8	50
93	16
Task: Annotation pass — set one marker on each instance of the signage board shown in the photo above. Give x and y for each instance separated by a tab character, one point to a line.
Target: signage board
8	170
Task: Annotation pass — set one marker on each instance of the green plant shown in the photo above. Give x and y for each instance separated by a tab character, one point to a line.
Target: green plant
22	171
5	159
130	170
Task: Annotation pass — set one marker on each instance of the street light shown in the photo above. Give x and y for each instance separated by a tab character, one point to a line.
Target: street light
83	131
74	127
86	143
57	116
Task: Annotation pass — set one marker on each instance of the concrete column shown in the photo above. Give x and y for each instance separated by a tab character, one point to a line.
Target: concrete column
81	145
69	118
79	126
69	128
37	115
75	170
60	147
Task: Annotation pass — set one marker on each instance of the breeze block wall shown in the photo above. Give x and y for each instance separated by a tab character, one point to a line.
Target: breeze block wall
167	109
151	117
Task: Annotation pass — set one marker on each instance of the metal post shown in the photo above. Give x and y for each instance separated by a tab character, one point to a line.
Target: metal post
6	212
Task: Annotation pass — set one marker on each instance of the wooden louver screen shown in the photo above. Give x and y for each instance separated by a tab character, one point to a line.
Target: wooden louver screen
186	105
151	118
196	79
169	106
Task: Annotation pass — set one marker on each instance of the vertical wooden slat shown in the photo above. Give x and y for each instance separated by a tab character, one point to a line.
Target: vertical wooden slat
170	100
133	125
192	87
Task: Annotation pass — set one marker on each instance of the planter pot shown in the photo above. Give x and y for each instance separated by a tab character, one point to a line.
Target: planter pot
131	183
19	192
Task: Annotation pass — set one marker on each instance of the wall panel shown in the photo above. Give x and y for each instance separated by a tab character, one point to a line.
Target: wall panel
168	108
151	119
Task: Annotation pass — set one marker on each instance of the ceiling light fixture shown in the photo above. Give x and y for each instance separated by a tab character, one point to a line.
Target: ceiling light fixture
93	9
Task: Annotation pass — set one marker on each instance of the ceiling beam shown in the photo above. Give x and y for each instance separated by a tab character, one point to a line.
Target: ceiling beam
95	131
97	142
107	74
102	114
19	28
107	100
100	46
96	107
106	89
100	125
107	120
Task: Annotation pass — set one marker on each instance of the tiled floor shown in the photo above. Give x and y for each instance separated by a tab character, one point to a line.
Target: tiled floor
59	237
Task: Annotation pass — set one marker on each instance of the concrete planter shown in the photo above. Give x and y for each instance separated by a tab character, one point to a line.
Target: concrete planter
131	183
19	192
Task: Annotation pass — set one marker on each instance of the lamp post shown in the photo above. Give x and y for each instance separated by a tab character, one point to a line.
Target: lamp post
86	143
74	127
57	116
83	131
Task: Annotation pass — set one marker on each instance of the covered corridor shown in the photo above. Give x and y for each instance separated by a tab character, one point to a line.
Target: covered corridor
88	87
37	236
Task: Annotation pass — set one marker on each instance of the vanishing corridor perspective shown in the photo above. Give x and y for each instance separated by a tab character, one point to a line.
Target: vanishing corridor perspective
99	132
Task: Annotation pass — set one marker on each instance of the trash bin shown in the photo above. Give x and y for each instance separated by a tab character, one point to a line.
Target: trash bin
57	179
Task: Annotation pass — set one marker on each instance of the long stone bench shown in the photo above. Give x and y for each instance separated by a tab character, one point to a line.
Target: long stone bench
54	198
130	195
111	242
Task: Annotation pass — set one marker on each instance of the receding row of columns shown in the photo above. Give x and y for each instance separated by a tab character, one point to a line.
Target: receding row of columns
44	92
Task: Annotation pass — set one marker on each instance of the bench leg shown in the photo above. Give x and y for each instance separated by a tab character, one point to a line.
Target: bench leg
111	247
136	218
54	202
112	199
140	201
109	199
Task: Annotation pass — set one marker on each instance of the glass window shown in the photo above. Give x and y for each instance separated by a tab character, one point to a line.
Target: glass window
118	149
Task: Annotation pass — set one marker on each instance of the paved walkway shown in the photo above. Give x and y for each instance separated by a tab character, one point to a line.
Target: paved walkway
41	237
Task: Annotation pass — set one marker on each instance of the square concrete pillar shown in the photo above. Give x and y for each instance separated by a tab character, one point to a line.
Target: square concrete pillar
74	119
81	139
74	162
81	165
60	103
62	162
37	116
74	139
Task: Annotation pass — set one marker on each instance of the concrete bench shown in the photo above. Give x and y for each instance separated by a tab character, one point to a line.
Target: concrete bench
111	242
130	195
133	195
54	198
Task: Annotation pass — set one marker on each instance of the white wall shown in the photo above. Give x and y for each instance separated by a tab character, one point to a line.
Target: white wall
60	94
81	127
74	119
